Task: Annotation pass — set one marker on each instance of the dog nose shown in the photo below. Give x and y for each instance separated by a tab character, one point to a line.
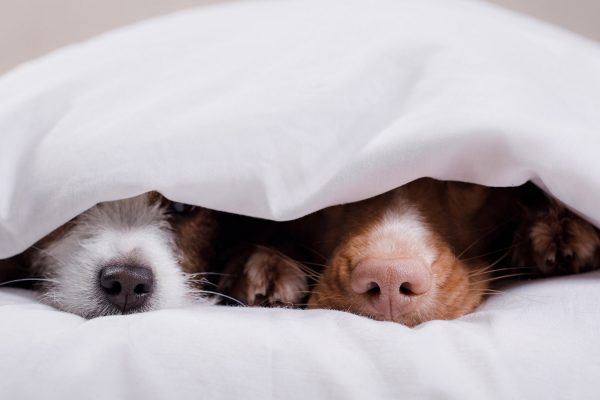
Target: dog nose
391	286
127	287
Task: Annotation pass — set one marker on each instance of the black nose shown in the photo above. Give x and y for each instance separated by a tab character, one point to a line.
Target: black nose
127	287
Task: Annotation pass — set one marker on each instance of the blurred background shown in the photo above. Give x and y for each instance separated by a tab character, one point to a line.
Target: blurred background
30	28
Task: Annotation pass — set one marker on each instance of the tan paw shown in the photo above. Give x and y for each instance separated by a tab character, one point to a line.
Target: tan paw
557	241
268	278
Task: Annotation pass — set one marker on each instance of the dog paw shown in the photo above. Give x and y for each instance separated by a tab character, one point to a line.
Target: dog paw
556	241
267	278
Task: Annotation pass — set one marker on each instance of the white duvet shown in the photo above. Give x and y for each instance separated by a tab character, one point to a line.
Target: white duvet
276	109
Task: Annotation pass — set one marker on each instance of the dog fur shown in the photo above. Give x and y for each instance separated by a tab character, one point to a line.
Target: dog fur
466	234
174	241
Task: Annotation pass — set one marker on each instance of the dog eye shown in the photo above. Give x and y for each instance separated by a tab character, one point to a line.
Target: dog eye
181	208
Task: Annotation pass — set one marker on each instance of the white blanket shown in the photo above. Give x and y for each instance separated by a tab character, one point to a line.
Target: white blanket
276	109
539	341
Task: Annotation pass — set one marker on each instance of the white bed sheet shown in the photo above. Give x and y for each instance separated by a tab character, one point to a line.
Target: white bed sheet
276	109
538	340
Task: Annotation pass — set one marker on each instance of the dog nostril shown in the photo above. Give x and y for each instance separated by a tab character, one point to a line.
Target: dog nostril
142	289
111	287
373	289
406	289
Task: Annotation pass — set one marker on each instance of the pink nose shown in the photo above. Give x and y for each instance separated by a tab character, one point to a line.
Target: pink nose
391	285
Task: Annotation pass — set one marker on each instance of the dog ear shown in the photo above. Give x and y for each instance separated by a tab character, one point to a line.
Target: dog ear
533	199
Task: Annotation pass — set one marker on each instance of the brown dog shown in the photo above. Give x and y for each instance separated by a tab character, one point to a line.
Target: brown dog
427	250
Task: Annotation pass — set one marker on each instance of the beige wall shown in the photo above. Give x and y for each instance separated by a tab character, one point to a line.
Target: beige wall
29	28
581	16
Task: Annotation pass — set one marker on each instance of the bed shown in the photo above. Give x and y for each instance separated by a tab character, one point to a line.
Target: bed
276	109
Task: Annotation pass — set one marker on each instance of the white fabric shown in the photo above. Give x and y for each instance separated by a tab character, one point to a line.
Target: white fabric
538	341
279	108
276	109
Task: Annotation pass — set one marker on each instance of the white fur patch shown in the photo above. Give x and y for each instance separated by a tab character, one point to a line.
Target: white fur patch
401	233
131	230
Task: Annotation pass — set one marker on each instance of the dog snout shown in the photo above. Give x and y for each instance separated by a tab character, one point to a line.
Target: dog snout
391	286
128	287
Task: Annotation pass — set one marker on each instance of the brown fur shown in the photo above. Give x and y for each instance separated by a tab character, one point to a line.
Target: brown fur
195	233
463	230
556	241
195	236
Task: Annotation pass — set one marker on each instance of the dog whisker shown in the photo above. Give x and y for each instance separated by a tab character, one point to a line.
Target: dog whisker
238	302
28	280
496	278
203	282
207	273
